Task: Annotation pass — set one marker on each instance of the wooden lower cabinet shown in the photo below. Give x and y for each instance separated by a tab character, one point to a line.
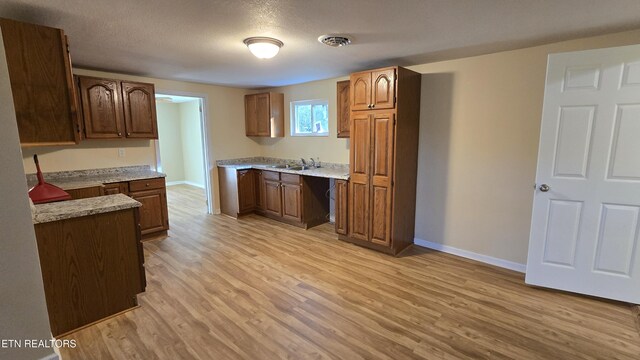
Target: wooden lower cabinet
152	194
116	188
153	213
291	201
87	192
291	198
258	191
92	267
273	198
341	213
246	191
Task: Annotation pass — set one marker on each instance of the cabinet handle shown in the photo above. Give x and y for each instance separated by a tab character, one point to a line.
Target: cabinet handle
369	106
373	105
119	134
128	134
147	184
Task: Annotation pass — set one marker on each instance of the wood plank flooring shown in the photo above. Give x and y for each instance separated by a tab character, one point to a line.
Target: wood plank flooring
253	288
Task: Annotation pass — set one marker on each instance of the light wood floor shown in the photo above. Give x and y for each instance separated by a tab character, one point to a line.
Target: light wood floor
220	288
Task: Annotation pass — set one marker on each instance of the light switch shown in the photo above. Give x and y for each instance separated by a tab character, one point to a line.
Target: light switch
121	152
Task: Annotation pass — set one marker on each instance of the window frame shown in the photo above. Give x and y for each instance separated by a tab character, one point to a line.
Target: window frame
292	117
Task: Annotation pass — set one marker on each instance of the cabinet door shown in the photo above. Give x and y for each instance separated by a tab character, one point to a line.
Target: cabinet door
359	181
361	90
41	83
139	110
381	176
342	108
101	108
259	184
263	115
383	92
341	192
116	188
153	213
292	202
246	191
272	198
250	115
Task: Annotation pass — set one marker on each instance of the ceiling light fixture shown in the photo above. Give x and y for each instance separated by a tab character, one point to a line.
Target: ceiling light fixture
263	47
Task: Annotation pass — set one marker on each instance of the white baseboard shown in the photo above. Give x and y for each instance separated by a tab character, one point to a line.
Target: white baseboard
172	183
194	184
471	255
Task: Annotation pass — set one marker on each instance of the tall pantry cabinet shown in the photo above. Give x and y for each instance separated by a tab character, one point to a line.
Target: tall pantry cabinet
385	114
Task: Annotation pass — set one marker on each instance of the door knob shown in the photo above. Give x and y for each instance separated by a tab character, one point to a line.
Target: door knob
545	188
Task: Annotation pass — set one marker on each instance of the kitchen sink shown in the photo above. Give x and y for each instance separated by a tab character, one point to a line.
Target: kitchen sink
291	167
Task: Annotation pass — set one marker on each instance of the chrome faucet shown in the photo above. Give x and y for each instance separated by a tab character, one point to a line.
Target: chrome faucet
303	161
313	163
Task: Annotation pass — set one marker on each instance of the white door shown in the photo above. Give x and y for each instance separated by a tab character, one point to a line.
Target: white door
586	214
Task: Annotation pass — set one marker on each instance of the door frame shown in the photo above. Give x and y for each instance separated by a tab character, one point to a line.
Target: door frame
206	155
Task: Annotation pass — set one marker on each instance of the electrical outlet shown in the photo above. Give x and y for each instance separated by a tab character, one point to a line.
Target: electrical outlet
121	152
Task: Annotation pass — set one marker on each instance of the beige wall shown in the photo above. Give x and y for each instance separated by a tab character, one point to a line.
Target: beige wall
170	141
225	119
479	132
192	156
23	313
329	149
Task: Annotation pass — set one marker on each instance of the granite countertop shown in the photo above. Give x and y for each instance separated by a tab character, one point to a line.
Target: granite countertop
69	180
328	170
61	210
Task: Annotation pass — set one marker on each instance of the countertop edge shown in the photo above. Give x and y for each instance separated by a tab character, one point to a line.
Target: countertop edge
311	172
70	209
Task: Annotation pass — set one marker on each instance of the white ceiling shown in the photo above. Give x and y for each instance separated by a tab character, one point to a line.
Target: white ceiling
201	40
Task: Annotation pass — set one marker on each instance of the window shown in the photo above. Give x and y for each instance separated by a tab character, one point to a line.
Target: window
310	118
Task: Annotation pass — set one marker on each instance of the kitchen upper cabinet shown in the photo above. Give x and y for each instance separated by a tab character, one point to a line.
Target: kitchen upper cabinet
383	161
114	109
264	115
343	108
373	90
42	84
361	90
101	101
383	89
139	103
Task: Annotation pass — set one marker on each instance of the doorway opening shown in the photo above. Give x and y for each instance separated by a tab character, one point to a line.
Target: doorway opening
181	149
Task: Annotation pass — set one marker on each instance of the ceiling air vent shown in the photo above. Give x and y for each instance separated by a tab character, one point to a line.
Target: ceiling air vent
334	40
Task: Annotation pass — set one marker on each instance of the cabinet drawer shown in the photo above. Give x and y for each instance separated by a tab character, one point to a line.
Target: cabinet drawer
147	184
290	178
271	175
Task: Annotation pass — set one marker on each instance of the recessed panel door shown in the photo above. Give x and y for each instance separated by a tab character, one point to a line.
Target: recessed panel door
585	227
381	176
359	183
